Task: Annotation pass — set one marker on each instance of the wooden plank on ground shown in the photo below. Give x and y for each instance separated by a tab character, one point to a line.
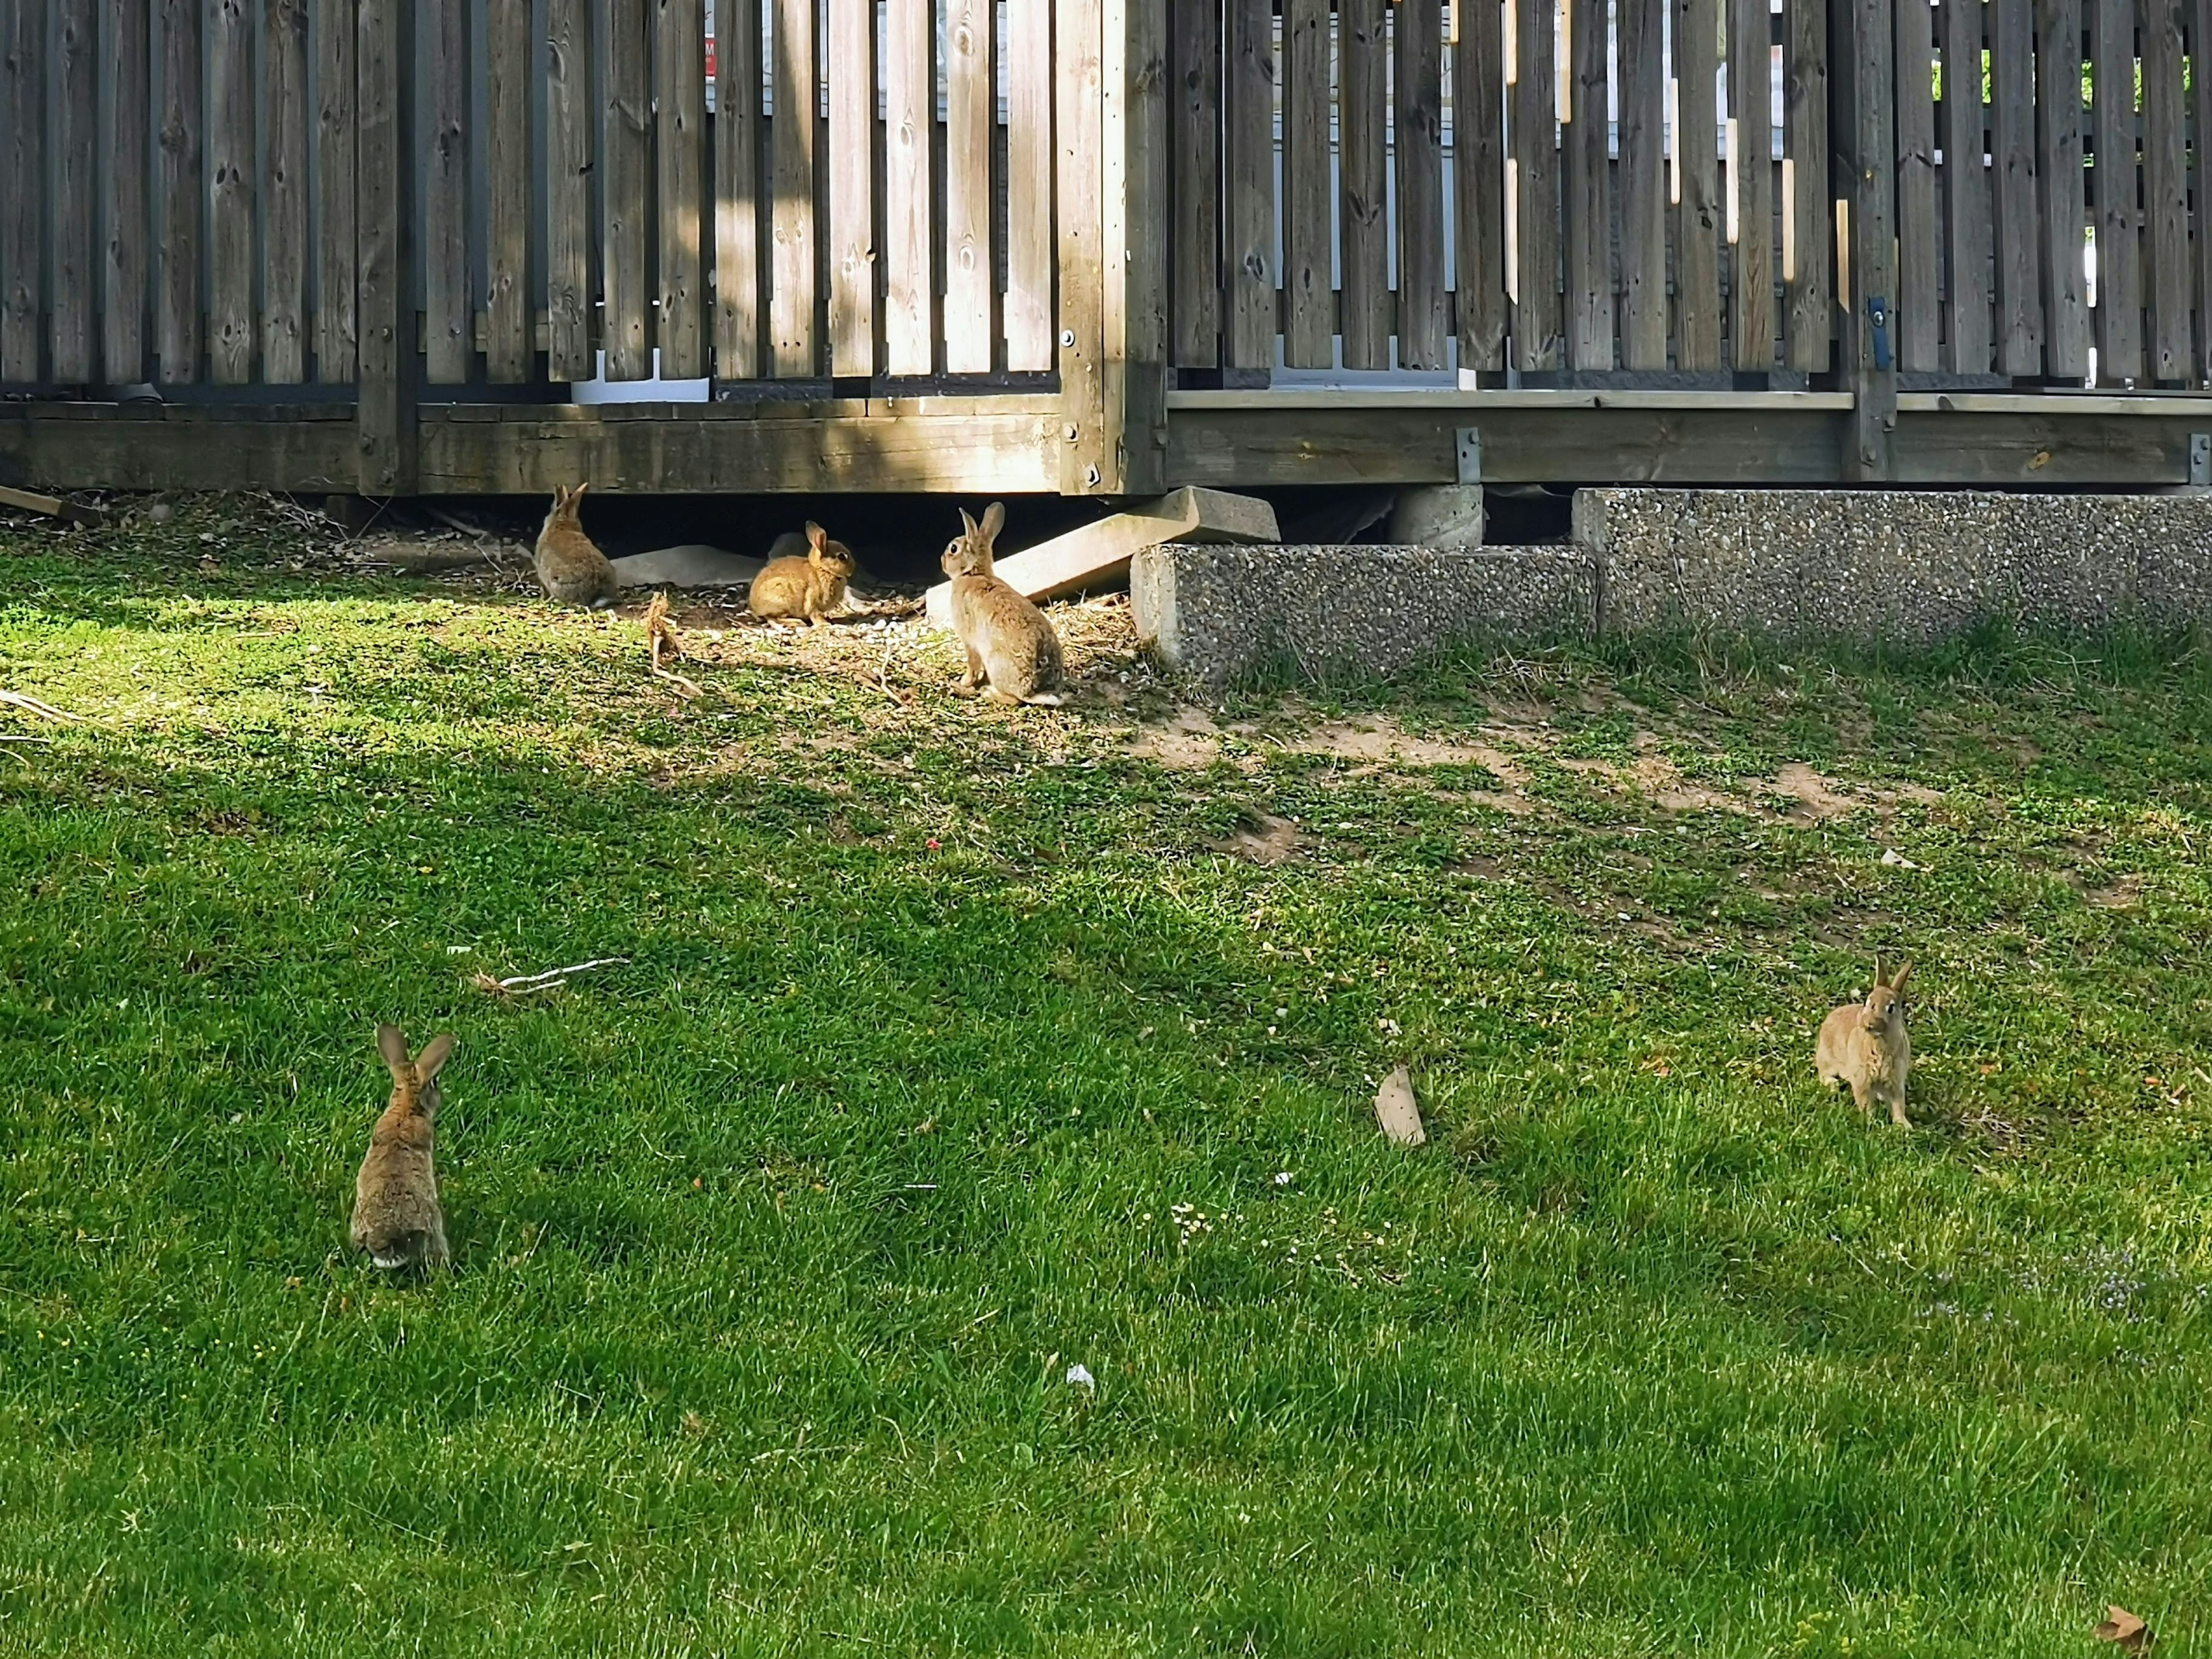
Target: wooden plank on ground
284	209
2168	289
909	267
231	97
2113	180
1309	291
1751	176
1809	324
1965	191
1920	246
2059	187
123	268
178	339
76	85
1536	342
1079	123
1589	212
1363	172
1195	143
1249	230
970	113
626	331
22	219
384	403
1643	184
2012	136
510	342
1419	100
570	118
2200	100
679	79
1479	184
738	199
852	63
1700	218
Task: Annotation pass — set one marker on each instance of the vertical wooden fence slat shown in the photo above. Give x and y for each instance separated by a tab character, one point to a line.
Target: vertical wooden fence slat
1310	320
1363	199
1700	219
123	307
177	336
1479	184
1643	185
1134	153
284	222
1751	175
1965	191
1536	170
385	405
1589	213
1078	88
1808	326
76	190
1869	185
2012	118
1194	76
970	112
2200	96
851	61
2166	186
335	168
2118	224
737	188
230	196
23	241
1028	185
1250	230
569	112
626	334
510	342
679	78
1920	248
2058	176
1420	105
449	323
909	115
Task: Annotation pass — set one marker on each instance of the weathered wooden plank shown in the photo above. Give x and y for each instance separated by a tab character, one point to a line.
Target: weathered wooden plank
123	266
509	336
22	224
970	112
1967	245
1536	342
1643	184
852	61
2059	187
679	78
1079	125
177	452
1134	132
449	317
76	190
1479	185
1809	324
2165	192
384	403
335	168
1419	101
1871	369
1920	246
1250	171
2012	137
738	198
569	120
1029	161
1195	74
2113	180
1363	172
1751	176
178	339
1307	241
2200	98
231	322
909	267
1700	218
1589	212
626	329
284	208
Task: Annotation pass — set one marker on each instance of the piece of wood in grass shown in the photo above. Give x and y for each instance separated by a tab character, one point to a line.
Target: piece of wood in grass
1396	1110
2123	1628
53	506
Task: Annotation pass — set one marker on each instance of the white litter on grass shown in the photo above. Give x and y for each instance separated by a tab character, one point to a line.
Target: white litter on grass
1897	861
1282	1177
1079	1377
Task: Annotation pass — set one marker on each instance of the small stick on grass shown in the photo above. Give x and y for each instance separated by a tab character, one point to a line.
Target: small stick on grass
32	705
552	979
661	635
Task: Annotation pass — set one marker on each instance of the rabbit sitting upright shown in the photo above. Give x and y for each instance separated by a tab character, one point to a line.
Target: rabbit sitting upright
570	567
396	1218
1010	646
1865	1045
807	585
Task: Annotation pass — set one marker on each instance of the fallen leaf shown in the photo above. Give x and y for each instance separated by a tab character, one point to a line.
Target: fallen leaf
1397	1112
2123	1628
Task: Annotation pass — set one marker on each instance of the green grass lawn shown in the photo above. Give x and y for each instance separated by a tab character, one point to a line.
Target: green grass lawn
953	1046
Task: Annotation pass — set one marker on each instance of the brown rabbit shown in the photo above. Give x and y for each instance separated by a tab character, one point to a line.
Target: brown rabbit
1865	1045
396	1216
570	567
1010	646
808	587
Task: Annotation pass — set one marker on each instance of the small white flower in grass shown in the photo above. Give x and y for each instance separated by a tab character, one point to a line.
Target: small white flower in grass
1079	1377
1282	1177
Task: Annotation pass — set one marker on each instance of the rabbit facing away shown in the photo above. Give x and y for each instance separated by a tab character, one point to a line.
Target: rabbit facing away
1865	1045
570	567
1011	648
396	1218
808	586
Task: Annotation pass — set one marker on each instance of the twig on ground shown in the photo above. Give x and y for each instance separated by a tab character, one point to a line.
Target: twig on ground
52	506
661	637
32	705
552	979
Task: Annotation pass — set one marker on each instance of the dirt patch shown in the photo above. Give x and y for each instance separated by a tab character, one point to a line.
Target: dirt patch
2122	895
1189	742
1817	799
1265	840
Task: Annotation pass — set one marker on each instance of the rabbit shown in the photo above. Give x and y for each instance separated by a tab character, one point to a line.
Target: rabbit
570	568
1865	1045
396	1218
809	585
1010	645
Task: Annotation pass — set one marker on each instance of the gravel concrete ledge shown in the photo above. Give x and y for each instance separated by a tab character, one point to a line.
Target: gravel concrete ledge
1218	613
1911	567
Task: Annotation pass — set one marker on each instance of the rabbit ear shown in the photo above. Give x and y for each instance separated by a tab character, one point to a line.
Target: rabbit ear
560	497
995	521
816	535
1877	969
432	1059
970	523
577	494
1898	984
393	1045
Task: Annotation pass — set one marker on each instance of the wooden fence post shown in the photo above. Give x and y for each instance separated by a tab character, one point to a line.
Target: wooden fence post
385	410
1076	90
1135	226
1862	82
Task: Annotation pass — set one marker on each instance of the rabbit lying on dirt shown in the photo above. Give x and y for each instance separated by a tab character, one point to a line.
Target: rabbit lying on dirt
809	586
1010	646
1865	1045
396	1218
570	567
